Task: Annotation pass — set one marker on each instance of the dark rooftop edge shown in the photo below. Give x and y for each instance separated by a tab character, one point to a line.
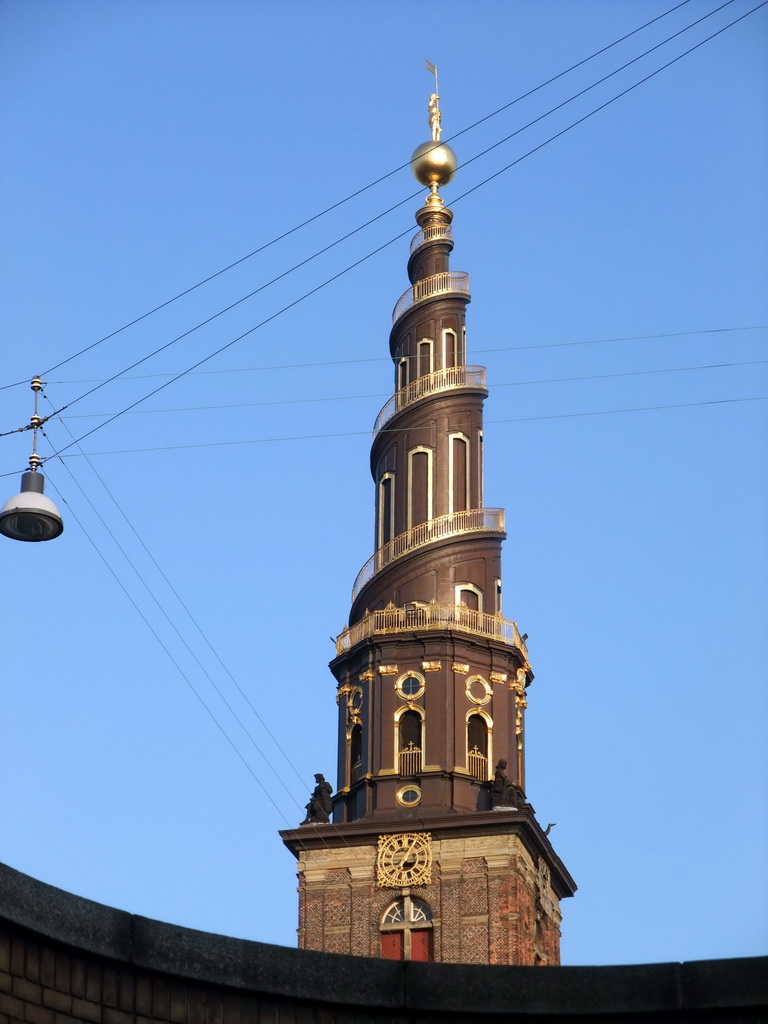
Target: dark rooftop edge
374	984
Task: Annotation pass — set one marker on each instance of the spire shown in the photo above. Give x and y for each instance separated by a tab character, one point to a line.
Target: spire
431	676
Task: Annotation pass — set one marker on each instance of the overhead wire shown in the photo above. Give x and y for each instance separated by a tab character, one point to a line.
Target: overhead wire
388	359
351	196
367	432
623	93
384	430
188	613
543	417
359	396
171	623
390	209
167	651
187	646
374	252
384	213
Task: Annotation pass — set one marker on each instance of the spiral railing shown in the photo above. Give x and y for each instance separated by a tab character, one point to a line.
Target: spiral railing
431	233
474	520
428	287
430	384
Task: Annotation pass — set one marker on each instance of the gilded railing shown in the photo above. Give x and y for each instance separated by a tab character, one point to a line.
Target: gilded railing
436	284
474	520
429	234
410	760
432	616
477	764
430	384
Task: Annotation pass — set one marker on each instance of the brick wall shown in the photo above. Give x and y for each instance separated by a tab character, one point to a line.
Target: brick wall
491	903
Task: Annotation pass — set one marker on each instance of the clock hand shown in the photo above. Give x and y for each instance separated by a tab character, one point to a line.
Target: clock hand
408	853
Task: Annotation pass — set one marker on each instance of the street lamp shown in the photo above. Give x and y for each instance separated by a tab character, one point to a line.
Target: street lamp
29	515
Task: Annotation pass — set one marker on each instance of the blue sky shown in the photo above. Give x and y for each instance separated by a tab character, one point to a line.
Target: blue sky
618	302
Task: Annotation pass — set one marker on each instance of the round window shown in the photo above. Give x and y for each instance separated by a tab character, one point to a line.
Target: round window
409	796
410	685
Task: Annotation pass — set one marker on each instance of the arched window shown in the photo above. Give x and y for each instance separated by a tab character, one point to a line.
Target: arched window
386	525
451	355
470	595
402	374
355	754
419	486
477	747
409	739
406	930
458	472
425	357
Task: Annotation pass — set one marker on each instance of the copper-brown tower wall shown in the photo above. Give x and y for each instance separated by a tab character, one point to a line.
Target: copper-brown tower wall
423	860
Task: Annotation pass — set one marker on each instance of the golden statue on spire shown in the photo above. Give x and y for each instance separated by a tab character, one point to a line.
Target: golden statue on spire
434	117
434	106
434	163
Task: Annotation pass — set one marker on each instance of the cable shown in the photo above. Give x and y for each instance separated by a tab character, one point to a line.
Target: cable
18	430
226	309
173	626
636	337
360	397
363	433
157	637
617	97
176	664
229	344
189	649
189	615
401	234
372	220
639	408
600	81
353	195
388	359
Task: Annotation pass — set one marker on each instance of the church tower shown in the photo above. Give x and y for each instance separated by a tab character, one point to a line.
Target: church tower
433	851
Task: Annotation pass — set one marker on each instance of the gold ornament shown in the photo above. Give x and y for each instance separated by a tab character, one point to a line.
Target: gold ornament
434	163
404	859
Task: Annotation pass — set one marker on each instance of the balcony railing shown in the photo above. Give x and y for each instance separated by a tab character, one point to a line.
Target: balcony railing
430	233
477	763
410	760
430	384
432	616
474	520
428	287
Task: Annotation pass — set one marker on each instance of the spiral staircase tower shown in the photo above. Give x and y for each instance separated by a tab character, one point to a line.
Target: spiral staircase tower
426	856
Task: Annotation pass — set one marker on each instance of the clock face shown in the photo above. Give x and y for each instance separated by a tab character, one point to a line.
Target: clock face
404	859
